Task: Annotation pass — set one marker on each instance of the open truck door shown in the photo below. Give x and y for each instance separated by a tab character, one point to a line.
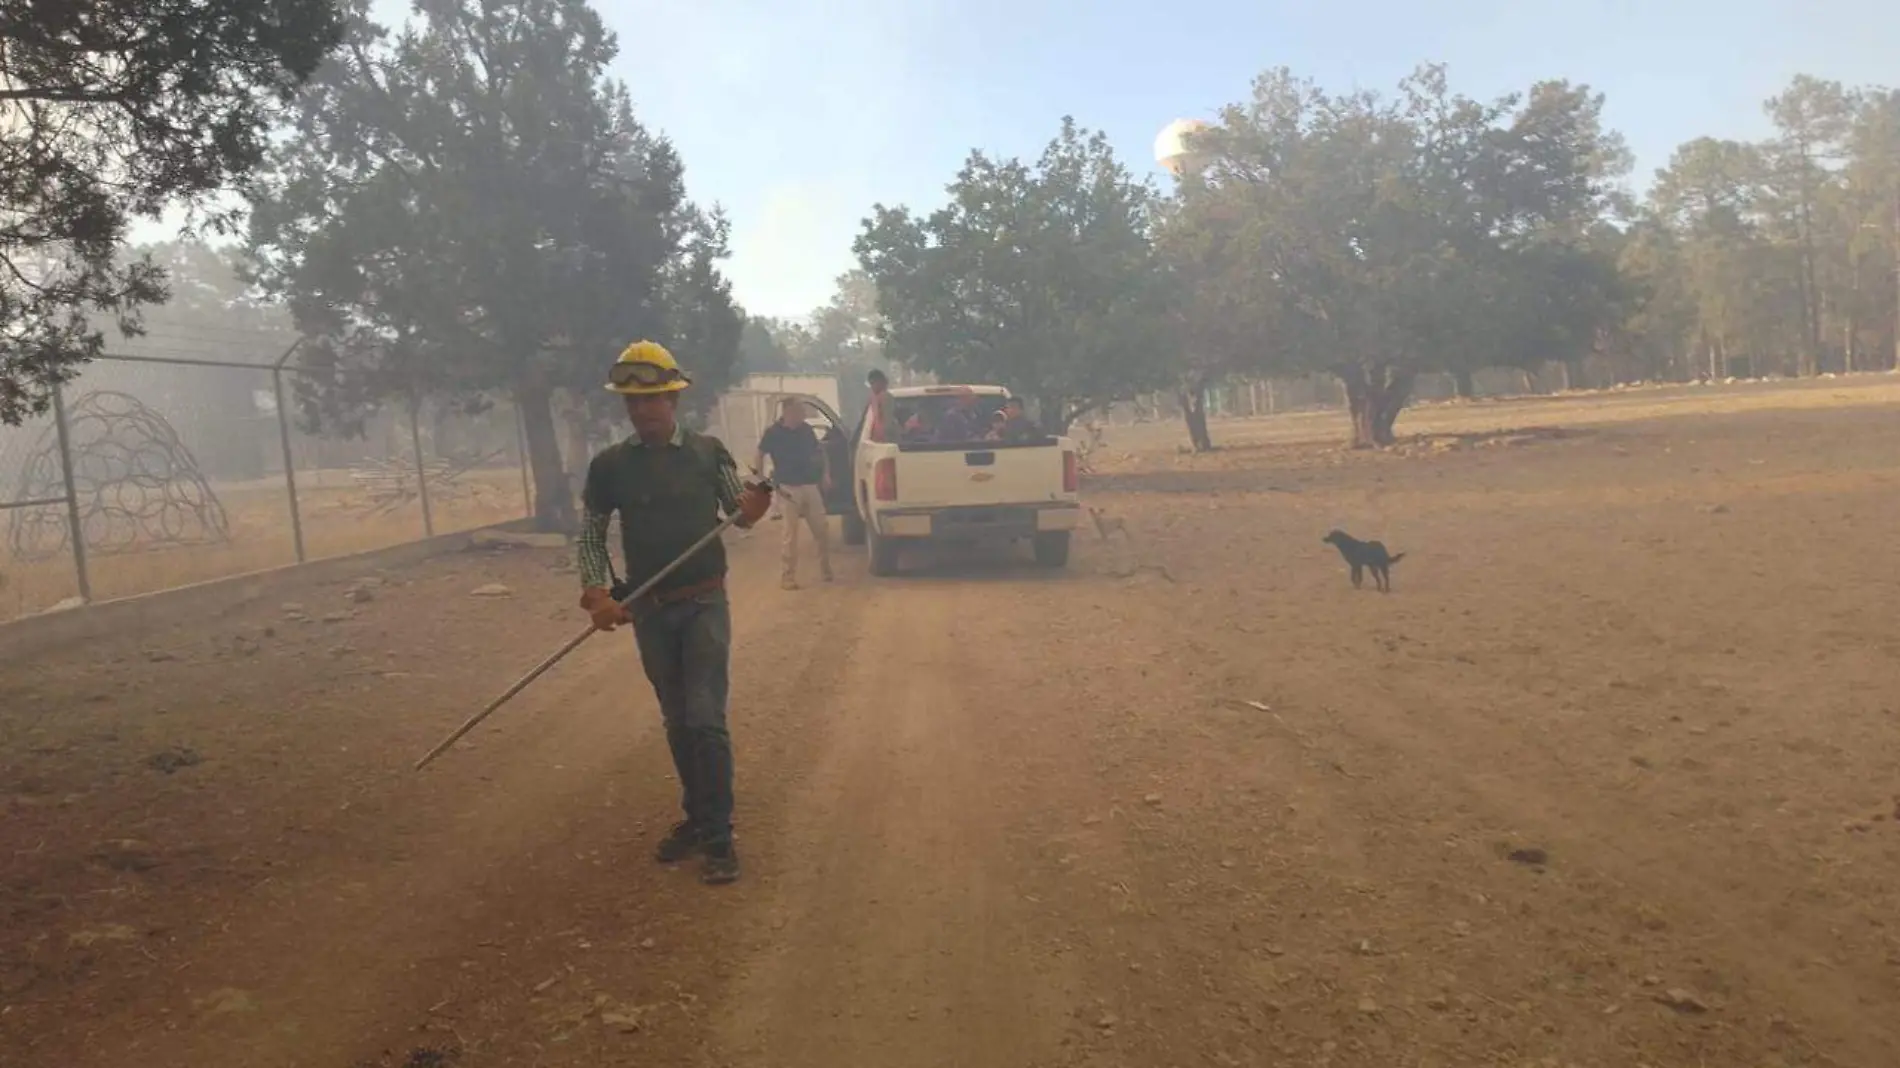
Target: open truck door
837	440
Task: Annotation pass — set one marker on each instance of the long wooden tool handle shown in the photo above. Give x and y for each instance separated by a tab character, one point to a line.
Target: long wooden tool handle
520	685
573	644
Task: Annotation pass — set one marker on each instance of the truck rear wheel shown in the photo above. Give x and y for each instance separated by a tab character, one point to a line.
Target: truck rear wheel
853	532
1052	548
883	554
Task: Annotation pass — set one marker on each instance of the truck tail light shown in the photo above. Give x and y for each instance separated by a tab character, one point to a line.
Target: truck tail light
1071	473
886	474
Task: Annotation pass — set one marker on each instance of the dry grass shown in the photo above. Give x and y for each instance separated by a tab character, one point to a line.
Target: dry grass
1567	410
337	521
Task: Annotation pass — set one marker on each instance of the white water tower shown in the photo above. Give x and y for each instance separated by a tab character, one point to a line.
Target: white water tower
1171	146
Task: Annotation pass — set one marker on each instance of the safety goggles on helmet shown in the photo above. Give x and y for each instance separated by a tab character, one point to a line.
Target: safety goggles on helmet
640	373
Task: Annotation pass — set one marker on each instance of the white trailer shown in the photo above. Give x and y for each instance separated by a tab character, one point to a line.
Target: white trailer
824	387
740	415
739	418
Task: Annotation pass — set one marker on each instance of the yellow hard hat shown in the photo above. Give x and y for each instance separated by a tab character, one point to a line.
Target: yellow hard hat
646	367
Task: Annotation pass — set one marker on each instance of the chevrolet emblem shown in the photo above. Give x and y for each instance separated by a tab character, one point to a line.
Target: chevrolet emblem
981	476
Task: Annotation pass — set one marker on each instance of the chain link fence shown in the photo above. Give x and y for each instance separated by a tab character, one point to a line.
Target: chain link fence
161	469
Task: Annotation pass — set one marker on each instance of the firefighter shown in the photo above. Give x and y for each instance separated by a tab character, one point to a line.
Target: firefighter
669	486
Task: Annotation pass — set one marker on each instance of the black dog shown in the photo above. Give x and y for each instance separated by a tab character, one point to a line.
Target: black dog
1363	556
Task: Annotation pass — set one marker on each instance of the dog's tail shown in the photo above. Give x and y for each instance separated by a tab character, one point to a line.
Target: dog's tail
1395	560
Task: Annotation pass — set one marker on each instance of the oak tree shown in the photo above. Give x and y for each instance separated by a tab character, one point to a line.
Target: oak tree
1380	238
1039	277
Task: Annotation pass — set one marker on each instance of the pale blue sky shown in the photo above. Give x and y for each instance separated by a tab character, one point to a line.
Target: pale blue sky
797	115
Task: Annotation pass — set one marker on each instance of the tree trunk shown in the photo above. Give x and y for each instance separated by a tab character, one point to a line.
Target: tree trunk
1194	414
553	503
1461	381
1808	360
1358	406
1053	416
1390	401
1850	337
1074	412
1374	398
575	453
1896	277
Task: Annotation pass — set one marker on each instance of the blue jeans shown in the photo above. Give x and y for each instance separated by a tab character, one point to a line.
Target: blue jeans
686	649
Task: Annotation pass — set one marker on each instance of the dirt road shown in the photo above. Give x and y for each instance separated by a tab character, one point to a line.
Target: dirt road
1607	781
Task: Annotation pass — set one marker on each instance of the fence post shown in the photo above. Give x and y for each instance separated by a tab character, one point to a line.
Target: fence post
290	463
76	528
422	473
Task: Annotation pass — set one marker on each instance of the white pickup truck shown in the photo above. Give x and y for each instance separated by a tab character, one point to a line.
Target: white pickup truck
929	487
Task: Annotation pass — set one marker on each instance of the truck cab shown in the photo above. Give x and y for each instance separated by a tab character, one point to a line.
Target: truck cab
961	479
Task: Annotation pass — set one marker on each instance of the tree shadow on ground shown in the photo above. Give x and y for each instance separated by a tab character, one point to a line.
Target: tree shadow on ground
1205	482
1278	467
1503	436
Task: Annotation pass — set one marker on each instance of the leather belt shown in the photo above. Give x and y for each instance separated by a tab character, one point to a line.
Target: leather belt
687	593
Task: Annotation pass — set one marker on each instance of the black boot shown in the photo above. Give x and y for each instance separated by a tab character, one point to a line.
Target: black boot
722	863
681	842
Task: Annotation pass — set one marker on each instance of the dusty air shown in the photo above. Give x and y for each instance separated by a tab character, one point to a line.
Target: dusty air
582	533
